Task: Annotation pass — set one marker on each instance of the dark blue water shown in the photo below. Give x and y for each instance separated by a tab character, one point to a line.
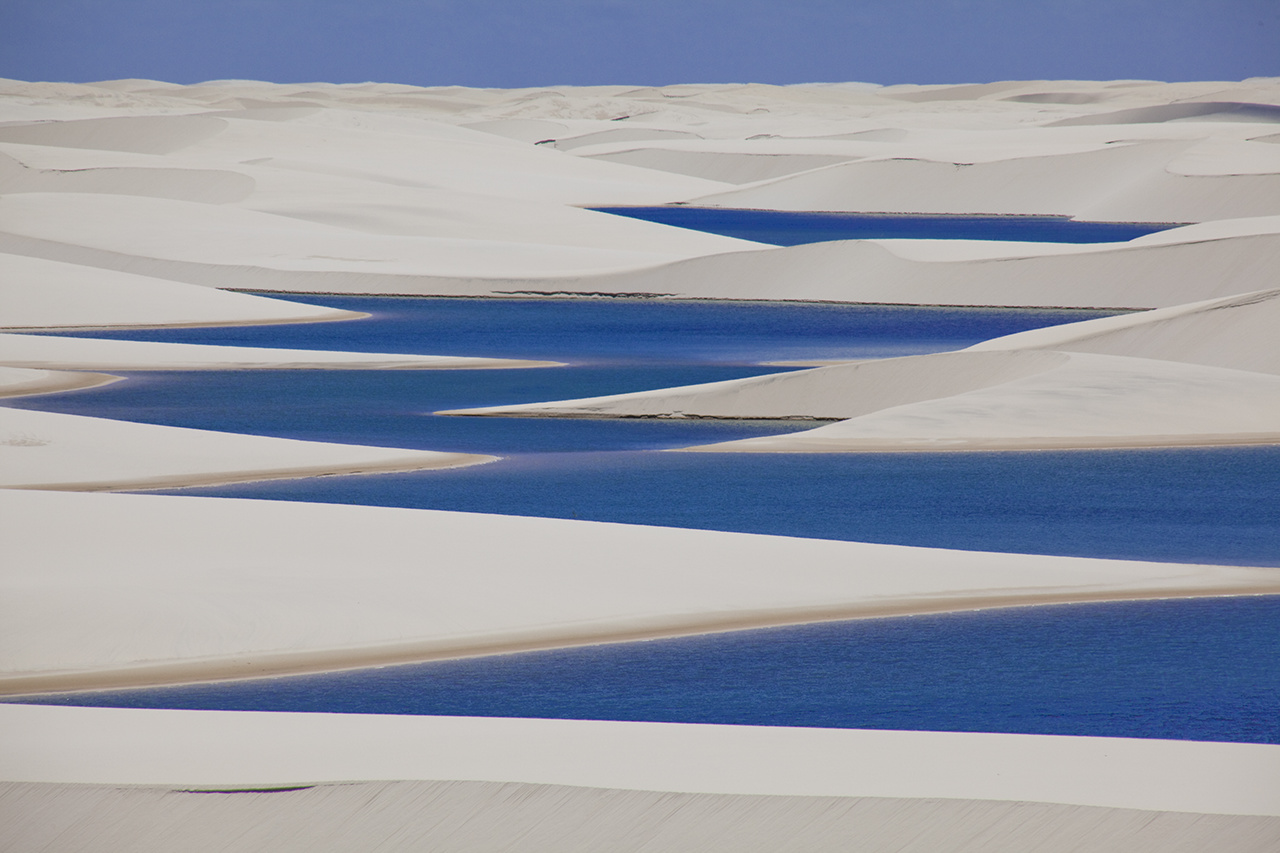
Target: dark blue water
1209	505
1191	505
1191	670
628	331
791	228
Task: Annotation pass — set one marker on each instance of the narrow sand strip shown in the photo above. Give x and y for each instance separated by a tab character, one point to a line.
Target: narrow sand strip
46	450
242	588
23	382
975	399
68	353
1090	401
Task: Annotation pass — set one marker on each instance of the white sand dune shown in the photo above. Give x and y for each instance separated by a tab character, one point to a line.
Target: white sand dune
835	392
228	237
137	134
210	186
970	400
718	166
240	781
43	294
1237	332
902	272
267	587
621	135
1123	183
21	381
1193	111
46	450
1090	401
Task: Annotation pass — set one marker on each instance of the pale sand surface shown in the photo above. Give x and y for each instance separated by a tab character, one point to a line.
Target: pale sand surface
1090	401
970	400
205	749
232	588
1106	275
1234	332
22	381
47	450
518	817
39	293
1127	182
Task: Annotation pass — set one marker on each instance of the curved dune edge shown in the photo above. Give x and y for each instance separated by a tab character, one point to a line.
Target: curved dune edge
835	392
219	750
25	382
256	475
50	293
48	352
998	399
248	666
1234	332
48	450
339	315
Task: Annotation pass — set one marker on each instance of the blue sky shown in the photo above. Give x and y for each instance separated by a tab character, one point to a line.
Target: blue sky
513	43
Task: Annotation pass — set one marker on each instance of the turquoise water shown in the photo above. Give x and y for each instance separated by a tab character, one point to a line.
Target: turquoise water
791	228
1192	669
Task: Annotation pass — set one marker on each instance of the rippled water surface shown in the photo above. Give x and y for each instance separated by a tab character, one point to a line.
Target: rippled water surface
1193	670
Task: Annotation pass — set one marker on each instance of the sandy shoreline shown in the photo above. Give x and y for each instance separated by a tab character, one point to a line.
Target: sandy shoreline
223	478
1028	444
343	659
23	382
267	587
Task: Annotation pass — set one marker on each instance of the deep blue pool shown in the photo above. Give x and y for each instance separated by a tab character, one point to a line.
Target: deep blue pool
634	332
1200	505
791	228
1192	670
1189	669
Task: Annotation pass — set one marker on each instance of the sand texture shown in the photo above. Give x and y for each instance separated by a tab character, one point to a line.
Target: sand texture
210	749
414	816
